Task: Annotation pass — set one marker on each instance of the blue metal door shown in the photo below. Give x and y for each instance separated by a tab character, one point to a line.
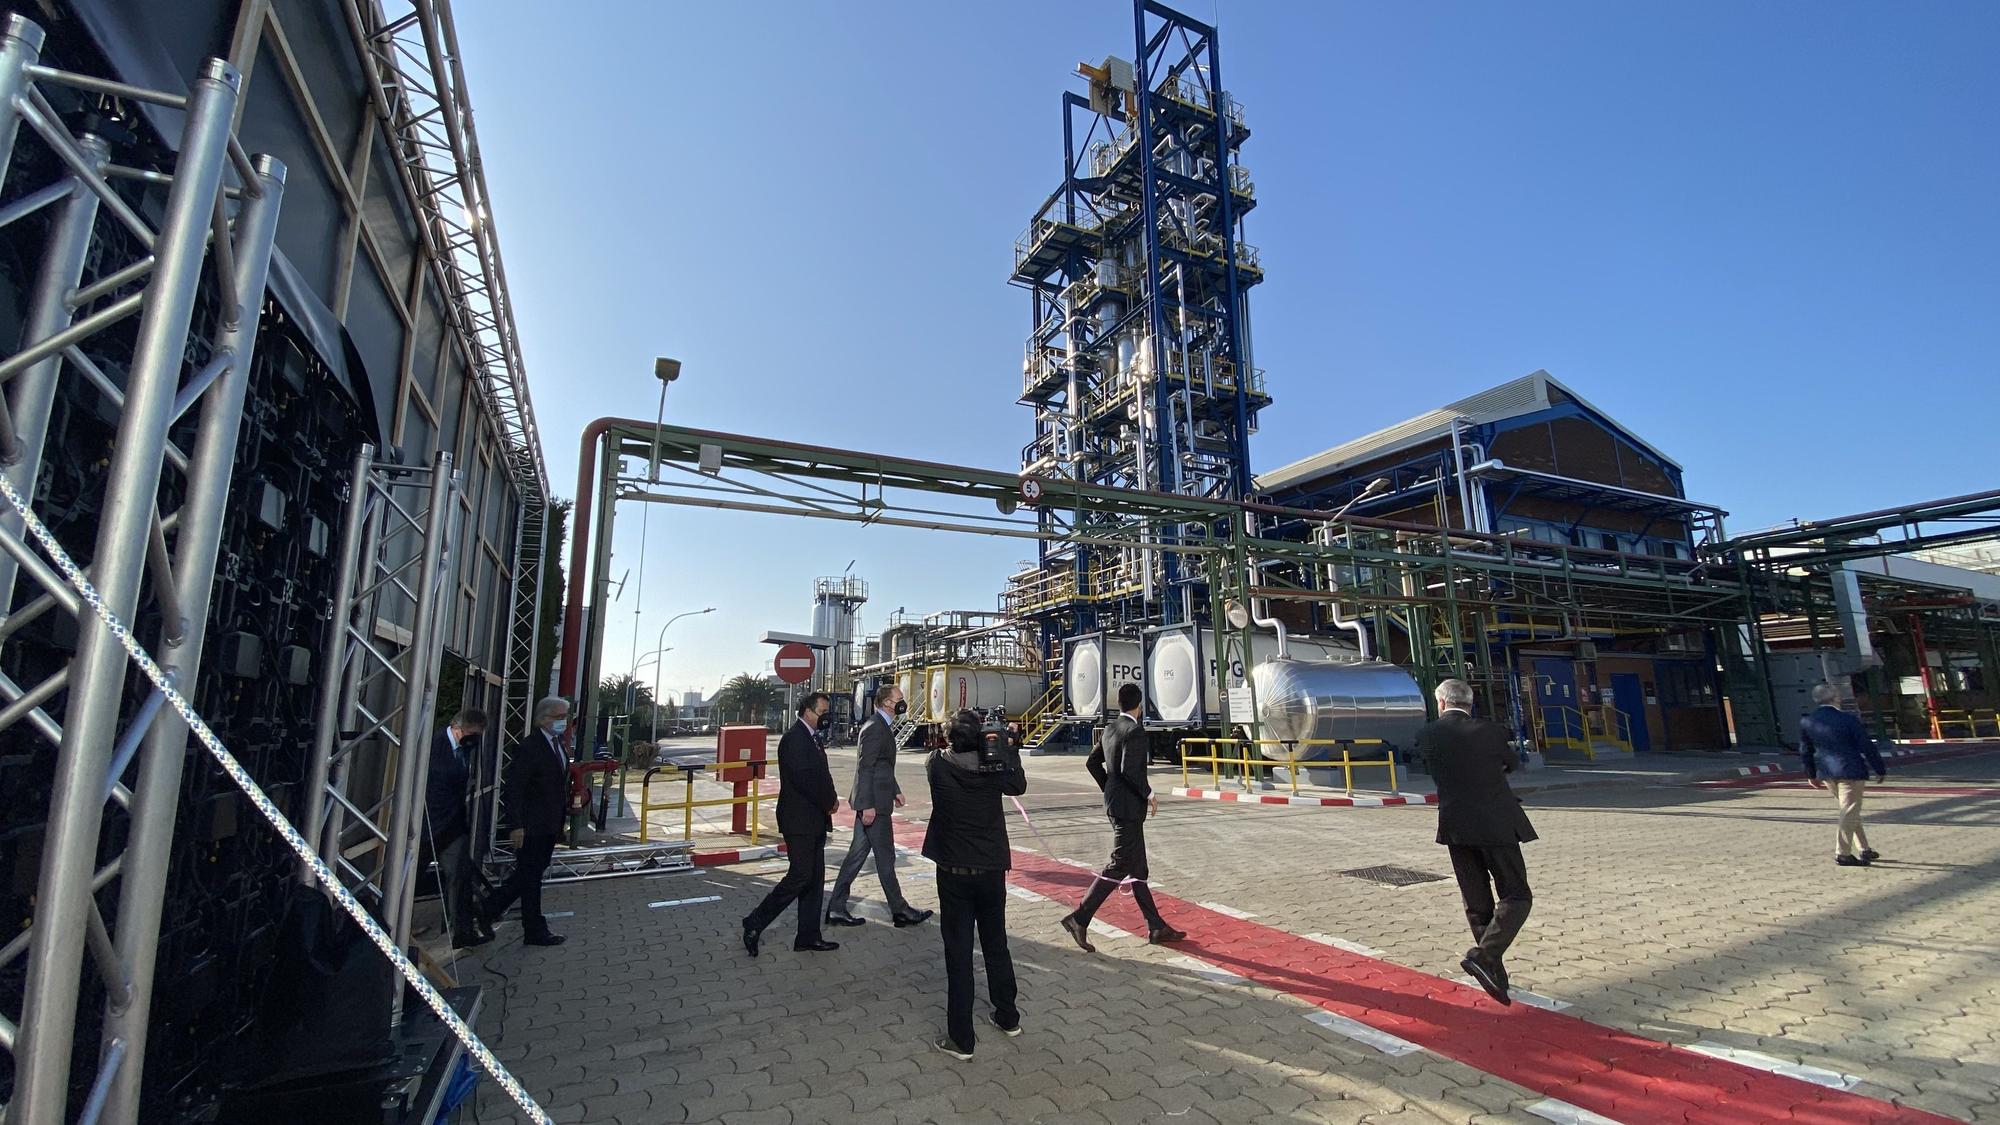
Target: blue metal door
1555	697
1628	696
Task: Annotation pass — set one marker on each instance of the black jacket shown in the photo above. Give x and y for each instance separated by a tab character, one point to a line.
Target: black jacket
968	825
1470	760
538	786
1126	790
806	796
445	788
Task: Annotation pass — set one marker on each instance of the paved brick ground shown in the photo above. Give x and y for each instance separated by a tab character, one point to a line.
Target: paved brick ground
1682	914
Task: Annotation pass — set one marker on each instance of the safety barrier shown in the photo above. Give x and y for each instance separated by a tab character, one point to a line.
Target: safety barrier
1583	729
1968	721
687	804
1243	759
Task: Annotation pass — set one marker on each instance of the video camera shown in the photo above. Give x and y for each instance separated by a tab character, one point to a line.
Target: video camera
996	746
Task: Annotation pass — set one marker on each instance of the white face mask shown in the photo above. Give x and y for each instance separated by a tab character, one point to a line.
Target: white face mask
558	726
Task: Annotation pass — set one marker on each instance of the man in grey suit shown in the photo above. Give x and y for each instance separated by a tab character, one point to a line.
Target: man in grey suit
875	799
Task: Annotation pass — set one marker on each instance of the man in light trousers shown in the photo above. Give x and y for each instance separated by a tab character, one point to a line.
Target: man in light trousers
875	798
1838	754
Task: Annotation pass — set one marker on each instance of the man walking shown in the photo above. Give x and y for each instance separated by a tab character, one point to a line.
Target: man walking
1128	801
1481	821
875	798
537	797
806	800
1839	755
446	788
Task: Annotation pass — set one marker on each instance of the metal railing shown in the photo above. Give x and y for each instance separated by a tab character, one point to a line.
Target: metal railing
1291	762
1969	721
1582	730
687	803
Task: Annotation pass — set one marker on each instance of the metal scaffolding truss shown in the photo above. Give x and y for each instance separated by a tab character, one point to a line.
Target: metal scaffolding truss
364	805
1890	531
115	760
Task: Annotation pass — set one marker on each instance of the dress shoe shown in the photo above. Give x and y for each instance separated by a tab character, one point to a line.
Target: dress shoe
1851	860
1078	932
843	918
821	946
1488	976
469	941
545	939
750	936
1160	935
1870	855
916	918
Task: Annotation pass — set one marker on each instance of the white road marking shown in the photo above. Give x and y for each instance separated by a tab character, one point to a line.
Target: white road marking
560	914
684	901
1206	971
1343	943
1229	910
1817	1075
1563	1113
1531	999
1026	895
1361	1033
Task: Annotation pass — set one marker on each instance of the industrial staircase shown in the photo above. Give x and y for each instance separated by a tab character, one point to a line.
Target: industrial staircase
1044	718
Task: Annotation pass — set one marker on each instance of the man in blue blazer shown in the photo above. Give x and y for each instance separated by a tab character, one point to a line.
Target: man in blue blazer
1839	755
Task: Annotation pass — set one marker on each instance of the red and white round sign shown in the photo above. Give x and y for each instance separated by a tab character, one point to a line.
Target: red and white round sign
794	664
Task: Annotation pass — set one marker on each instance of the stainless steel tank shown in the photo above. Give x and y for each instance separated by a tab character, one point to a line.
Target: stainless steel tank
1298	700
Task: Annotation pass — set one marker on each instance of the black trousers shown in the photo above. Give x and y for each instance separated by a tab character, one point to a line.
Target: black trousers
1481	873
966	902
1128	861
804	883
525	883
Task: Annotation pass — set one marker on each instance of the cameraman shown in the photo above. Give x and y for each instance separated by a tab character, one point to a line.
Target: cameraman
967	839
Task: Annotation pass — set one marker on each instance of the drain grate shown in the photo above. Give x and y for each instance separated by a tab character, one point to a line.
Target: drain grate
1393	876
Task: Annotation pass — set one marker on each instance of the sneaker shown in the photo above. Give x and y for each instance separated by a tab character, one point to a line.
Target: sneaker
950	1048
1009	1032
1851	860
1870	855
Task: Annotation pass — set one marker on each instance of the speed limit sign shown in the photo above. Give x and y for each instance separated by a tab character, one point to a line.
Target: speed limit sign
1031	490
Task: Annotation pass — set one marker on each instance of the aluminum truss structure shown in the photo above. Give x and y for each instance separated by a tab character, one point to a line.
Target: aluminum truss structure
142	555
417	87
376	703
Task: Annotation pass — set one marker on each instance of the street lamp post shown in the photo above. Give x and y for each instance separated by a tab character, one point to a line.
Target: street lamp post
657	651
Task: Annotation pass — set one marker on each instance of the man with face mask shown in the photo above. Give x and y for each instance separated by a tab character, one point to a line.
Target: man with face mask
806	800
536	795
446	788
875	798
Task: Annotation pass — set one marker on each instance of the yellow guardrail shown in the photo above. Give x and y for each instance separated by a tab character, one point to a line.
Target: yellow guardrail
1970	721
1607	723
688	804
1243	760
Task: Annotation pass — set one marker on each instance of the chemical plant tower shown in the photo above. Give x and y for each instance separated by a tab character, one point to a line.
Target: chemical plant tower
1139	368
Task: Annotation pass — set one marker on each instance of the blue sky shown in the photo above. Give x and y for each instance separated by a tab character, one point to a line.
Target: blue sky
1762	235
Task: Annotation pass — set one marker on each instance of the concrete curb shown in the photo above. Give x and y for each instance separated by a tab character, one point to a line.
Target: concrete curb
738	855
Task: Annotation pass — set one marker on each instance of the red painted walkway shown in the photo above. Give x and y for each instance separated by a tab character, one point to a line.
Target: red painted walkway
1626	1077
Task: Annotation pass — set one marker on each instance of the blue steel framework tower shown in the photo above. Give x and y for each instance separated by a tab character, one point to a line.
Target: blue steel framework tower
1139	366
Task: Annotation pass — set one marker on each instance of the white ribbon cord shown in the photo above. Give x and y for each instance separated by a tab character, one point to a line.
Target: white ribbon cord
430	995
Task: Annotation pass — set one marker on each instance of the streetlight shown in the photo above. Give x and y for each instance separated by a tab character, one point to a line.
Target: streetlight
1375	488
657	651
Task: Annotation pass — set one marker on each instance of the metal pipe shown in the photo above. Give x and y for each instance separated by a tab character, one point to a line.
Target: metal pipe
107	86
197	386
109	1067
97	681
111	281
33	393
1458	471
36	110
34	201
20	48
128	743
76	333
1498	466
28	704
347	663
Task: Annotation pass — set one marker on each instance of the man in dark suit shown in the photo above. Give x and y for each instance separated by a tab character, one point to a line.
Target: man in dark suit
875	799
1128	801
537	797
446	788
806	800
1482	822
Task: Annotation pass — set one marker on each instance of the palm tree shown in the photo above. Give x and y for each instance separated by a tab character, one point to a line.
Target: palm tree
624	695
748	698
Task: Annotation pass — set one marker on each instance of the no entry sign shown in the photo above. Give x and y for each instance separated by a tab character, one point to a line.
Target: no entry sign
795	664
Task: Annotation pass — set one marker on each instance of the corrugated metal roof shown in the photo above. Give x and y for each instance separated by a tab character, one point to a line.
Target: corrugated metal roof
1526	395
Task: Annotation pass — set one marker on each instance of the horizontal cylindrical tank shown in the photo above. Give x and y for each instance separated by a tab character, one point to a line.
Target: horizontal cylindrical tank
1094	668
1300	700
952	689
916	690
1182	693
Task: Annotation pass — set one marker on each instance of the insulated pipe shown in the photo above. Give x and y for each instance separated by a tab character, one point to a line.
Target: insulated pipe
586	479
1458	470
